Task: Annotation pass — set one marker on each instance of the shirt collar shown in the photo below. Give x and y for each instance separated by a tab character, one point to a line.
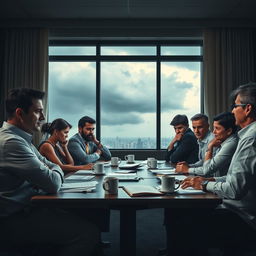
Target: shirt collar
26	136
245	129
227	139
206	138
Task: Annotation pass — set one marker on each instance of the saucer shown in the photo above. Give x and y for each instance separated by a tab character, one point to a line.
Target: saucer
130	162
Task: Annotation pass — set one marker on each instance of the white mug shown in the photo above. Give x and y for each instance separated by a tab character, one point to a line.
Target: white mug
130	158
99	168
152	163
110	185
115	161
168	184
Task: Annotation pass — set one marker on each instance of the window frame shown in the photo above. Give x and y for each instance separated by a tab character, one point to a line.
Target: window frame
158	58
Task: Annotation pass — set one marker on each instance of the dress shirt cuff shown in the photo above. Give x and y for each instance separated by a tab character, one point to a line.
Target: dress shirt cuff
191	171
61	174
210	186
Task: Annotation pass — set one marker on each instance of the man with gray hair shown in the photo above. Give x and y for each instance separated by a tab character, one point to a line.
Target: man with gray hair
201	130
235	218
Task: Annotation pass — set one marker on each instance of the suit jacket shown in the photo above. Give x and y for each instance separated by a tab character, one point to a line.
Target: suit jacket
184	150
77	148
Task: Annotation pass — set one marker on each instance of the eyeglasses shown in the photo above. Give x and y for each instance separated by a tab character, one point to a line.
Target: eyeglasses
237	105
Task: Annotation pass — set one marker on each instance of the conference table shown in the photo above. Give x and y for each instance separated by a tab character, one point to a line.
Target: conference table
128	206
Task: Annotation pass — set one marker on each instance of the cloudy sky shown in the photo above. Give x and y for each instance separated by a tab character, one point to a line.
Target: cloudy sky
128	96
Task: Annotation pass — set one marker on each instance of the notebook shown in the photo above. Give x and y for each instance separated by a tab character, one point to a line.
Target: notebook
141	190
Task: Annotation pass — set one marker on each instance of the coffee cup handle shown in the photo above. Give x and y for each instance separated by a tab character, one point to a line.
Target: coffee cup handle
177	181
105	185
126	158
119	160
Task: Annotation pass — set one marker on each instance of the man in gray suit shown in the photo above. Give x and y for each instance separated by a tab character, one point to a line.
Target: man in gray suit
84	146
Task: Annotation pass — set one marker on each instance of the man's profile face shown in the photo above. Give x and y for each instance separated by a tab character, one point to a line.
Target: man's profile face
180	128
87	132
239	112
31	121
200	128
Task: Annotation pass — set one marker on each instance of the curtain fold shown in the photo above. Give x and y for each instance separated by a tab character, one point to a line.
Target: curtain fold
229	61
25	63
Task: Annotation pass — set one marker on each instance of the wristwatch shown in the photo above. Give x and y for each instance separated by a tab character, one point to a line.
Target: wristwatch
204	184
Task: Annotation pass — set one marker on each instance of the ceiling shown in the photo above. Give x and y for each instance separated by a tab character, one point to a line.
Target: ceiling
127	9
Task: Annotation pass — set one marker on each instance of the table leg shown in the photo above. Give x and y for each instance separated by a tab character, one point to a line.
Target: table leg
127	232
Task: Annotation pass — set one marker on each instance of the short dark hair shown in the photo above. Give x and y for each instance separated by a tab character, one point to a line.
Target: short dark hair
58	124
85	119
227	120
247	93
21	98
200	116
179	119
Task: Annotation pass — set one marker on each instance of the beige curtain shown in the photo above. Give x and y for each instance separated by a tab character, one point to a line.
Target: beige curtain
228	62
25	62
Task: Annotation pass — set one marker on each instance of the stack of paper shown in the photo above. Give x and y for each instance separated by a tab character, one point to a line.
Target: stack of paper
163	171
79	178
190	190
79	186
124	176
84	172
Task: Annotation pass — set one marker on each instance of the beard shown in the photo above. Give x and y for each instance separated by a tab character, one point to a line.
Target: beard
86	137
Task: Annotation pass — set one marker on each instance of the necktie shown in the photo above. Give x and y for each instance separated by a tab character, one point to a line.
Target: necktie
87	148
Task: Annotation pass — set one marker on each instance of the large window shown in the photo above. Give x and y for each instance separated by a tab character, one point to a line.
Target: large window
133	91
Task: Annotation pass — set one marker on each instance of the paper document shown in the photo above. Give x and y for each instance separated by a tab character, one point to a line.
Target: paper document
79	185
124	176
125	171
79	177
163	171
190	190
84	172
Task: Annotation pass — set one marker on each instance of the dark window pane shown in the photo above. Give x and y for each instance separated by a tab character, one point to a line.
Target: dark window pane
72	50
128	50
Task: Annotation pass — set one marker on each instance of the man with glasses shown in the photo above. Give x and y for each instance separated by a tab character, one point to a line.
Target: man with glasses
84	147
235	218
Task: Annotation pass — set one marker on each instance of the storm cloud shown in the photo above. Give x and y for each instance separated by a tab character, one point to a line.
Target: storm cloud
128	90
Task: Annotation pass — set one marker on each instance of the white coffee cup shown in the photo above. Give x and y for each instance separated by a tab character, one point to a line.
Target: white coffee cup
115	161
99	168
168	184
152	163
130	158
110	185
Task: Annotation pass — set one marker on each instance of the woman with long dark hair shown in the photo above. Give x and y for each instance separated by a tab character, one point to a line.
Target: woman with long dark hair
55	147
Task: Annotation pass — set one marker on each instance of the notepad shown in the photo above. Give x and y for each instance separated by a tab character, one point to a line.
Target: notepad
141	190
